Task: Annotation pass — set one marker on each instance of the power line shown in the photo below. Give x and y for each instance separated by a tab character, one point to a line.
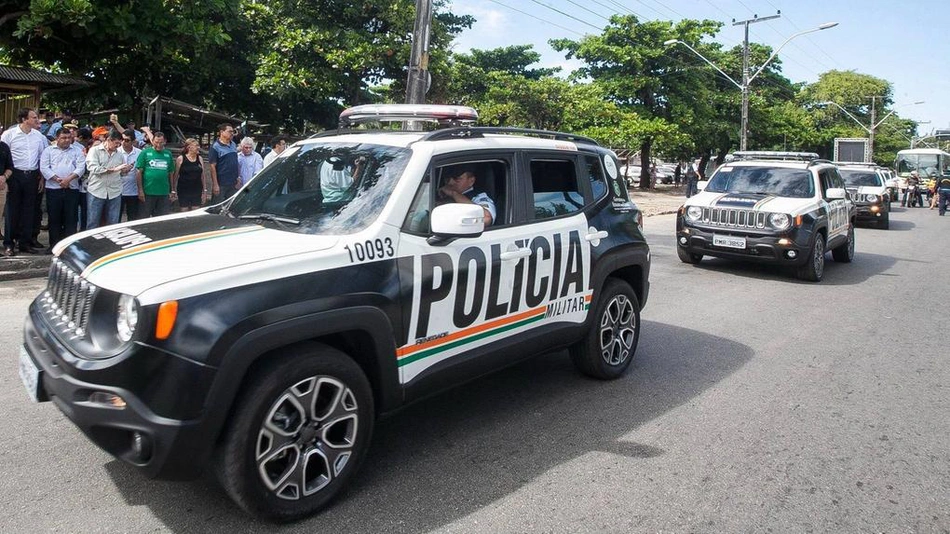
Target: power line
572	17
589	10
539	18
617	6
808	38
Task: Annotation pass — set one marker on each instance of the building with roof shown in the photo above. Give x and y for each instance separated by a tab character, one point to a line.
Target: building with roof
23	87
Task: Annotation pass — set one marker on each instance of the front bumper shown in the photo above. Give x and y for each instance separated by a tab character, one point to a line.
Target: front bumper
759	248
168	447
869	212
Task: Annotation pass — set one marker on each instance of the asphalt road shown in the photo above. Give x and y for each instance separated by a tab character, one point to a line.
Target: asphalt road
756	403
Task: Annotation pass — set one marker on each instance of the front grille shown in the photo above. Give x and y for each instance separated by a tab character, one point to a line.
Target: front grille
734	218
67	301
853	193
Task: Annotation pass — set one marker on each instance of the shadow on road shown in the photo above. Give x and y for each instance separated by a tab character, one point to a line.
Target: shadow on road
864	266
446	457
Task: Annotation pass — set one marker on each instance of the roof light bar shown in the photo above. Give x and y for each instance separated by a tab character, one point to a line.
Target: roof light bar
407	112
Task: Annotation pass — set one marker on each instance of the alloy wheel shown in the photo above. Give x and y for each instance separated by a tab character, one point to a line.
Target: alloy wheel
618	330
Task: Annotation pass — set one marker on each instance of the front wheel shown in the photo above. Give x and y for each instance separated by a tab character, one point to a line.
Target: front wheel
297	434
814	268
611	343
845	253
688	257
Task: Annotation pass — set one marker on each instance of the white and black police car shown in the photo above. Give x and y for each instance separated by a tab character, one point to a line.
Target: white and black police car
263	336
784	208
866	184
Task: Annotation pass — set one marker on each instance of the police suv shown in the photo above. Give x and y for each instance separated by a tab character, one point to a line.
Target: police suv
783	208
266	334
866	184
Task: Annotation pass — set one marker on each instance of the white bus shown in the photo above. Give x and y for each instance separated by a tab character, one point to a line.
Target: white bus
928	162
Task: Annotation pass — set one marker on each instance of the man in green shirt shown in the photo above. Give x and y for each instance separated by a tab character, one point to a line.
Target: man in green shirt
155	173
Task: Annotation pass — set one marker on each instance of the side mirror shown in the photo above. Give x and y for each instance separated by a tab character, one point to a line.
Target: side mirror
457	220
701	185
835	193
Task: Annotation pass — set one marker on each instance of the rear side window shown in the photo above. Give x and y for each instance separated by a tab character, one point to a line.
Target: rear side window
555	187
595	174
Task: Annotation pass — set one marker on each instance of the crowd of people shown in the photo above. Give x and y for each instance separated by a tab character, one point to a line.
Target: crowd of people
88	177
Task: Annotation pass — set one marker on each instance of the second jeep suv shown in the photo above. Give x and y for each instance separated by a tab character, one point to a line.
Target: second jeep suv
784	208
866	184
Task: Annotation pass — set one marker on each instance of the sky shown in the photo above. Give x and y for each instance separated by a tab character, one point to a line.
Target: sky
906	42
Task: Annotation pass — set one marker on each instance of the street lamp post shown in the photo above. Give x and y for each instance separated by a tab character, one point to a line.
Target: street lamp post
746	79
873	127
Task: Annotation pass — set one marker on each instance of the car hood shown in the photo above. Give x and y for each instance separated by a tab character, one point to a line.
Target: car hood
764	203
866	189
133	257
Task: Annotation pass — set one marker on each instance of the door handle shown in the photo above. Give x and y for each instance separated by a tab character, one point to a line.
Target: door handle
516	254
596	236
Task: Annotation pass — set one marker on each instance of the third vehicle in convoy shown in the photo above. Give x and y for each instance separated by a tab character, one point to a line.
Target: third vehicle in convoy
783	208
866	184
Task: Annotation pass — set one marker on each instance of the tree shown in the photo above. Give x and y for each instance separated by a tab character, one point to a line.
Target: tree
633	66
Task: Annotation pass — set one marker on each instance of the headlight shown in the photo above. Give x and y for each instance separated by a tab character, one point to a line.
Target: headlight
871	198
780	221
694	213
127	317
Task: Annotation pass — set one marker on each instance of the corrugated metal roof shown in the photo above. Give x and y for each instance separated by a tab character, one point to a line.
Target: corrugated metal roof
23	75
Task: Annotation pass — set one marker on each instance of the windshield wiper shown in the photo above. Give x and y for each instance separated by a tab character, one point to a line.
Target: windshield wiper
270	217
748	193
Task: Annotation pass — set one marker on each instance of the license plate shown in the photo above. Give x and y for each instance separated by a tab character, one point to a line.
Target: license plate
30	375
728	241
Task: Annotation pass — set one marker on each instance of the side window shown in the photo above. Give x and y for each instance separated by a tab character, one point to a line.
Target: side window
836	179
825	178
482	182
554	183
595	173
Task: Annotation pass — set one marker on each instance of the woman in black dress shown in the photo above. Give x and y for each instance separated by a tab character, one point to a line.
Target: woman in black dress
192	192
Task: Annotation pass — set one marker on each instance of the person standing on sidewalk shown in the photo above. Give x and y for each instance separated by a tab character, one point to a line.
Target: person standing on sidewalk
155	171
691	179
943	193
190	177
130	186
104	188
26	146
278	144
249	161
62	164
223	160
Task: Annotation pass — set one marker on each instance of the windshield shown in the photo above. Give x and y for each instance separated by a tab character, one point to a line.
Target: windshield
924	164
323	188
859	178
796	183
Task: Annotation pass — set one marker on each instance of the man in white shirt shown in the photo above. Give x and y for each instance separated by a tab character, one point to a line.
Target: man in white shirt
104	187
61	165
26	145
278	144
130	186
249	161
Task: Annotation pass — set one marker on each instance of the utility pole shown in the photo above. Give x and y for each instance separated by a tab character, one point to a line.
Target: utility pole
870	156
418	81
744	138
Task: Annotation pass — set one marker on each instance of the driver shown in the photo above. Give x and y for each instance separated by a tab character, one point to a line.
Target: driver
461	188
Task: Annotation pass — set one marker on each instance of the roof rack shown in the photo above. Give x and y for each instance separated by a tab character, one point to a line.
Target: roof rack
777	155
468	132
856	163
355	131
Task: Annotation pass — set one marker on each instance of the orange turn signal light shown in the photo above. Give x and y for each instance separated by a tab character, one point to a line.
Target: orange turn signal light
167	313
798	220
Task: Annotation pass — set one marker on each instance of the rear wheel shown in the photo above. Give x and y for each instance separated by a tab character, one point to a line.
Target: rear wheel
814	268
845	253
611	343
297	434
688	257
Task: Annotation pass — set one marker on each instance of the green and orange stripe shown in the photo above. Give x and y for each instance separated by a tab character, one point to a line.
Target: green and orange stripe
412	353
163	244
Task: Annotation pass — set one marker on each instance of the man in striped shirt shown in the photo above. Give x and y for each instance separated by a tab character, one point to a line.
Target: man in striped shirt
62	164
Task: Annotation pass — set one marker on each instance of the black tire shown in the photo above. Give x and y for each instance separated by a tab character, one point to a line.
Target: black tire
610	344
845	253
687	257
885	222
277	421
814	268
